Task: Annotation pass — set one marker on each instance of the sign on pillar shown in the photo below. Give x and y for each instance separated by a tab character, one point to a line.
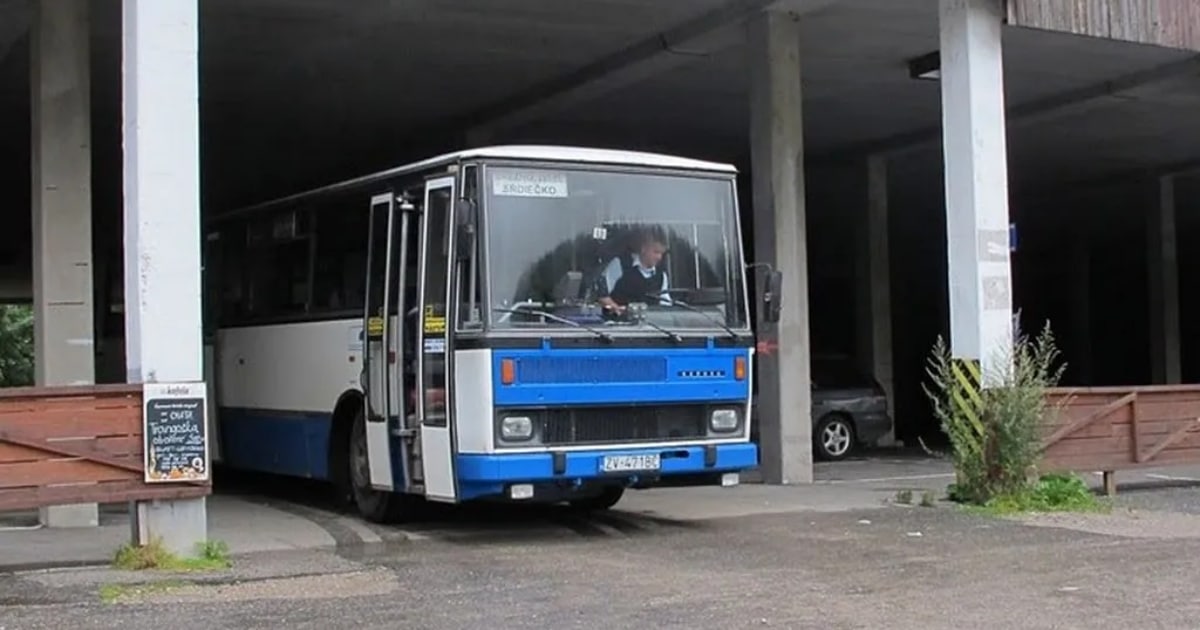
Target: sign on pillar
175	426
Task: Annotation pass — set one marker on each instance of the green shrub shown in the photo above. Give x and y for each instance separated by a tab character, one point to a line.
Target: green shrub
994	430
1051	493
16	345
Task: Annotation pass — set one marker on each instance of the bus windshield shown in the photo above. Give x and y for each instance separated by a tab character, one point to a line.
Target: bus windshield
573	247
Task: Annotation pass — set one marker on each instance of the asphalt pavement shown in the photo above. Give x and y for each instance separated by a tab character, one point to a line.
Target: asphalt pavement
836	554
888	567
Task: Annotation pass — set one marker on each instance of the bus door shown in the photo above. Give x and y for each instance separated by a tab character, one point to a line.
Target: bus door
434	406
380	331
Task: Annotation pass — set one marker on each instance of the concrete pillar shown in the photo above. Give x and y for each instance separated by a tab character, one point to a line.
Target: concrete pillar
163	335
976	179
875	290
777	154
62	209
1163	283
1081	301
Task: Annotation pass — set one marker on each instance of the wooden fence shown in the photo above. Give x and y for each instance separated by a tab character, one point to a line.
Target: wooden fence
64	445
1118	428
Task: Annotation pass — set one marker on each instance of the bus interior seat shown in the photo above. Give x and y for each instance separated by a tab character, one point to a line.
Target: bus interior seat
569	286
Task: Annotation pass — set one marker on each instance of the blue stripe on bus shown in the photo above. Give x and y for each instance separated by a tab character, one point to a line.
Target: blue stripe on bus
482	475
294	443
562	377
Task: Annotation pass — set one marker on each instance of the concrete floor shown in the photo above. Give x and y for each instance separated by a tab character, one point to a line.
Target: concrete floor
881	566
832	555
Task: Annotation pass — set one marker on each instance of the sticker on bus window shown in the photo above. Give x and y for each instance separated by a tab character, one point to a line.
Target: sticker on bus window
529	184
433	323
437	345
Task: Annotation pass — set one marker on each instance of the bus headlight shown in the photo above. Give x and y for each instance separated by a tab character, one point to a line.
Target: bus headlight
516	428
724	420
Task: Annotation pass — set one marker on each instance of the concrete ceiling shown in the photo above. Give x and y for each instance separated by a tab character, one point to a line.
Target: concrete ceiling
298	92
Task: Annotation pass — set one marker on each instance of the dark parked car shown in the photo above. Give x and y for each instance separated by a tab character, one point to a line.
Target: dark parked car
849	409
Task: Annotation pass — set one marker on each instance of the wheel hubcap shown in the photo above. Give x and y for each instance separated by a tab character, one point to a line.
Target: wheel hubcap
836	438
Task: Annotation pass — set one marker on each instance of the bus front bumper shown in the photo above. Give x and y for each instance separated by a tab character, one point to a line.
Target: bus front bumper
555	476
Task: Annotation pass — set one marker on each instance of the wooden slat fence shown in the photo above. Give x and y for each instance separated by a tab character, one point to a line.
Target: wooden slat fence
64	445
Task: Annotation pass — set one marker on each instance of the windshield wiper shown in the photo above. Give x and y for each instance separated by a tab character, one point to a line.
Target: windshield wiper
518	311
685	305
671	335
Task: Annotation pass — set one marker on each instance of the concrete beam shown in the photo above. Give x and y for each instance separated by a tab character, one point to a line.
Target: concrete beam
649	57
1162	266
873	263
777	147
1057	105
1169	23
976	173
163	338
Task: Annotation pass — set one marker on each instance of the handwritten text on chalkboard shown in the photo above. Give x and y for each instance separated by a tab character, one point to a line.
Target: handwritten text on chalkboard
176	436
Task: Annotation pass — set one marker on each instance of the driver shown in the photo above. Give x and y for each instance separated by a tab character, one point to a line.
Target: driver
636	276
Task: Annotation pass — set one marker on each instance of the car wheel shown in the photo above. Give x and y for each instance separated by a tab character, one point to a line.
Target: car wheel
833	438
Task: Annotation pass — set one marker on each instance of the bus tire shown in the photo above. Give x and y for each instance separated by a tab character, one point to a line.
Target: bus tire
607	498
374	505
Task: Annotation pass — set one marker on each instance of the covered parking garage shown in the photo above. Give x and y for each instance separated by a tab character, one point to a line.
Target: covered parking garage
1101	153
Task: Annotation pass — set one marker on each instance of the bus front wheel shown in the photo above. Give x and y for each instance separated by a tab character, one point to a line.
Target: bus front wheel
373	505
607	498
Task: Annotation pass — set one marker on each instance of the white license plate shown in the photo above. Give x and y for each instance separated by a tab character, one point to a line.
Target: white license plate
629	463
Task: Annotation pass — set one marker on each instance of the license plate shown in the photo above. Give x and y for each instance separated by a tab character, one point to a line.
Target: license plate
629	463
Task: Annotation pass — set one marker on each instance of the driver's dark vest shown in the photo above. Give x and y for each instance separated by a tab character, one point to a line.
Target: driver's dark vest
633	286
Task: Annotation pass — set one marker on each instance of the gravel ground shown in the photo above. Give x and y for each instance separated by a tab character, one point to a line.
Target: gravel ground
893	567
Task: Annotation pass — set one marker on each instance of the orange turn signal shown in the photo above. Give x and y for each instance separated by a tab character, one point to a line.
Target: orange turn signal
508	371
739	368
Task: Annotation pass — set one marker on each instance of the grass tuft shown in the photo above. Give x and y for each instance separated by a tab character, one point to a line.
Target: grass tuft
1052	493
211	556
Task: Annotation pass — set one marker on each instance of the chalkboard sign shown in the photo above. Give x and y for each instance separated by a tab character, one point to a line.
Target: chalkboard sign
175	426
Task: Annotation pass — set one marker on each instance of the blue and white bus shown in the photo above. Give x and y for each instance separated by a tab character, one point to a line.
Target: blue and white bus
543	324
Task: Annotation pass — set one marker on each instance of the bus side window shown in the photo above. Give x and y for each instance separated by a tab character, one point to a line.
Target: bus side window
470	283
341	253
232	270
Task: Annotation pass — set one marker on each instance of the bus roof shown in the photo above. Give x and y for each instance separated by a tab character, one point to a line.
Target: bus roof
596	156
545	153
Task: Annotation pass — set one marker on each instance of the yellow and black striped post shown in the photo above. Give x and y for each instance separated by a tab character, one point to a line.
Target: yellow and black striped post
966	393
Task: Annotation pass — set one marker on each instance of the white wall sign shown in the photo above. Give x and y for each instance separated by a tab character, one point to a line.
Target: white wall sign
529	184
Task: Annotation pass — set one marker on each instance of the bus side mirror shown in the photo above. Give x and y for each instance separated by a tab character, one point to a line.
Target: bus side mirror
466	227
772	297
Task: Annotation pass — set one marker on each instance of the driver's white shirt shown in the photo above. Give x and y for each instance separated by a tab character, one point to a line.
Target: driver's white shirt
613	273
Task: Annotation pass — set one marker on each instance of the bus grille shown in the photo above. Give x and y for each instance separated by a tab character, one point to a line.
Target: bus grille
557	370
569	427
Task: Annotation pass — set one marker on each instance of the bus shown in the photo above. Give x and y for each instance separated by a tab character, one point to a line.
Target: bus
450	330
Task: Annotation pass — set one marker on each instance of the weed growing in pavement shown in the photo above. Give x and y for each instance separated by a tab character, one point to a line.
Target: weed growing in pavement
113	593
993	425
211	556
1051	493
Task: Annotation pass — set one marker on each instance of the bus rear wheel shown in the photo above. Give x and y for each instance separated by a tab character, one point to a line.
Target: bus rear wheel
374	505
